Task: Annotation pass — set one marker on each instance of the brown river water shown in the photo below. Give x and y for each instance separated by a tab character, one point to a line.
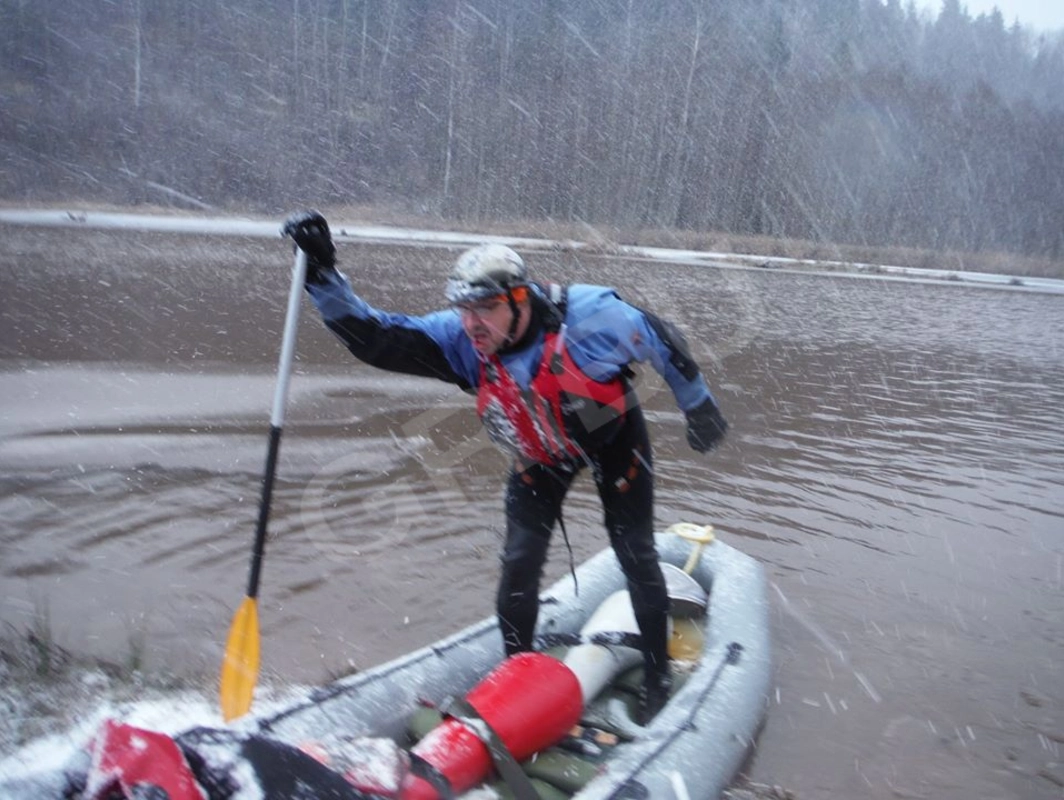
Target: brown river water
896	462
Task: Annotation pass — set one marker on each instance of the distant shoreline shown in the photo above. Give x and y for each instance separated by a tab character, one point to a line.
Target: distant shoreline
785	256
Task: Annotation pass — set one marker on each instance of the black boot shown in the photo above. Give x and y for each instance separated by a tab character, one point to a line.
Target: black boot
653	695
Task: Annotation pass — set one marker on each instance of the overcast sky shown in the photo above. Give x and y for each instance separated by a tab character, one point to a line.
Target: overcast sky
1039	14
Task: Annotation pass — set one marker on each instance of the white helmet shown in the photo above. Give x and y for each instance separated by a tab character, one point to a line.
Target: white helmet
485	271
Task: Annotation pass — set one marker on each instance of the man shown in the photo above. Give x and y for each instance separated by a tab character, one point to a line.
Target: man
550	368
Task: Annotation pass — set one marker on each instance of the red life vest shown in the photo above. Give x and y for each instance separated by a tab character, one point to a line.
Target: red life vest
560	417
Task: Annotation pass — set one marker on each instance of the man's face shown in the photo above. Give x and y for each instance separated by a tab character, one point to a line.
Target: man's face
486	322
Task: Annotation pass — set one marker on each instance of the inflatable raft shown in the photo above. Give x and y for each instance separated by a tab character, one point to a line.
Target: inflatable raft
457	719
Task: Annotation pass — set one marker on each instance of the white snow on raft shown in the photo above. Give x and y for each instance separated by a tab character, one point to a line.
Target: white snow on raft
458	719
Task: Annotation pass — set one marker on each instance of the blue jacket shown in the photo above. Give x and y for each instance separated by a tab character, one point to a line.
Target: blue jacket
603	333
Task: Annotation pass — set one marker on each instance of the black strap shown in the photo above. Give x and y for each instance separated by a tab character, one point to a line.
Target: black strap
515	317
284	771
554	301
428	772
604	638
505	763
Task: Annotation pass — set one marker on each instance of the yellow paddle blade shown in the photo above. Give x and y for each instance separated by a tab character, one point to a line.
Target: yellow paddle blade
240	668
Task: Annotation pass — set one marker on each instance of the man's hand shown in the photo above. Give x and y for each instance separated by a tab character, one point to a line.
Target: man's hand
310	232
705	427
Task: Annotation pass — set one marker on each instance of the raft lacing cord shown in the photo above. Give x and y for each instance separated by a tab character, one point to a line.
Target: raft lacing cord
505	763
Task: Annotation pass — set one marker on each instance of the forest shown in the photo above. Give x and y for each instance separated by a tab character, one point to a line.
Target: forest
848	121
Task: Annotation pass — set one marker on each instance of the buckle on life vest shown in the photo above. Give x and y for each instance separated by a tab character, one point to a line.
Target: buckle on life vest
557	363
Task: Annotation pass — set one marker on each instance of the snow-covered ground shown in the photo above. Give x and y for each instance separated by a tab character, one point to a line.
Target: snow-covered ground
79	700
236	226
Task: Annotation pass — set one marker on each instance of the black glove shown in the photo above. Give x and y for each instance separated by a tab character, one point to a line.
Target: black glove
310	232
705	427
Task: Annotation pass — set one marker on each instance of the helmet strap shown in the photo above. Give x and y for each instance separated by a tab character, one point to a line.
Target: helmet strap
511	335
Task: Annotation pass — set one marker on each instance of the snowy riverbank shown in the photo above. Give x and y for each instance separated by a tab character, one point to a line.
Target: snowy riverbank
399	235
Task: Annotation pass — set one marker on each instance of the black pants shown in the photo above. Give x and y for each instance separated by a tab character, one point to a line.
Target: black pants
624	477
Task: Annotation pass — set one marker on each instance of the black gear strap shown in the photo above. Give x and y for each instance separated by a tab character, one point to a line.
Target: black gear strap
514	317
505	763
552	304
546	641
428	772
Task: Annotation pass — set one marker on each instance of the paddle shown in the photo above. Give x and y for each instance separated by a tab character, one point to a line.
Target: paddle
240	667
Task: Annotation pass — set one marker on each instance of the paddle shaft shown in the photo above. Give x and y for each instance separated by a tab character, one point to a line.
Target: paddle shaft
280	399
